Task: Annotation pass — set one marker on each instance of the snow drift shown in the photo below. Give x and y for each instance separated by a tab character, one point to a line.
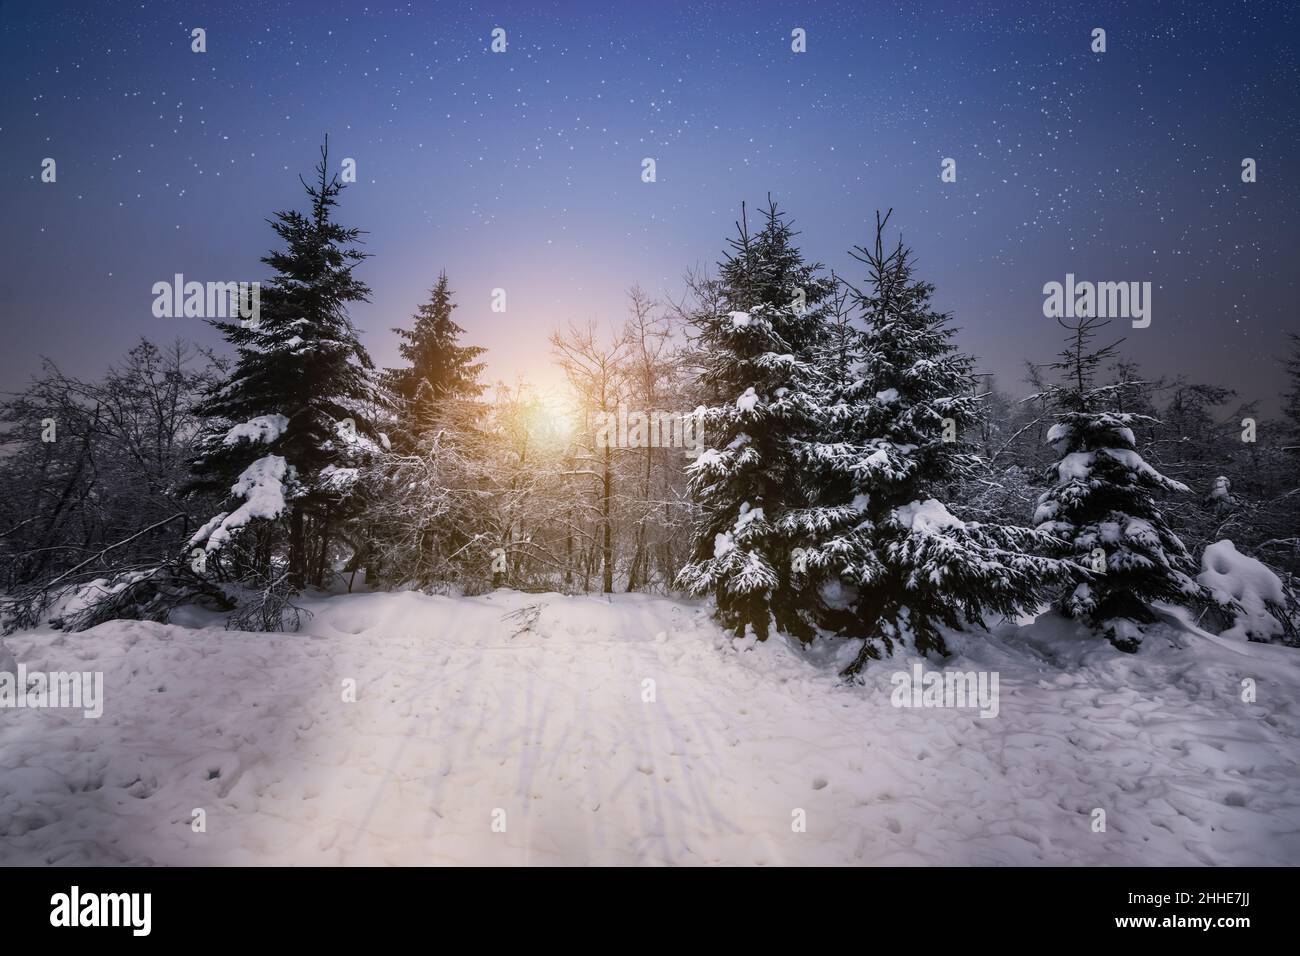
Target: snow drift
632	730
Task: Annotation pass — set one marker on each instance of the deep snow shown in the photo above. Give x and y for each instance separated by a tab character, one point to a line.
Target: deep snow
533	705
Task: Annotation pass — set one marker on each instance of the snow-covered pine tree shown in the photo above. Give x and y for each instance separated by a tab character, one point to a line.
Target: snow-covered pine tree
894	563
753	352
1102	500
422	517
447	370
285	431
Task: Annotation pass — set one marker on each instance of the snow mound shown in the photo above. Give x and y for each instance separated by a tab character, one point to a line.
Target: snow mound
261	485
928	515
263	428
1232	577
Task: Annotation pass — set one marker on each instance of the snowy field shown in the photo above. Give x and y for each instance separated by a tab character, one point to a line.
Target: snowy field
533	705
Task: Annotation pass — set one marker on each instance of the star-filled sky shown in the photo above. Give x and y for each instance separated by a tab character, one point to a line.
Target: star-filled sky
522	170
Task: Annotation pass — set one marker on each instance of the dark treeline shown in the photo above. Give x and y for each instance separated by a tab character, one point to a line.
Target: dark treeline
856	474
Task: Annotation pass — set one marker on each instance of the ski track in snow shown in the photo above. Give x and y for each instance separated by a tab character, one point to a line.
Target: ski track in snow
468	705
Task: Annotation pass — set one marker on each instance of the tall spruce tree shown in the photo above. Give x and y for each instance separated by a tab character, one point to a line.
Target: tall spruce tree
285	429
754	351
425	510
440	369
898	562
1102	500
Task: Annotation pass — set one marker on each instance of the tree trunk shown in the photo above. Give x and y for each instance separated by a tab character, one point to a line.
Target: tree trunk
568	553
322	559
297	550
640	573
607	544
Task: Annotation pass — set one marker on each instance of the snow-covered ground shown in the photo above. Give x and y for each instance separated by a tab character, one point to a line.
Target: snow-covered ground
530	710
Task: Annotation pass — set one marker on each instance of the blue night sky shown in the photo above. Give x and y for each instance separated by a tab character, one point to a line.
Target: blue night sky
522	170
